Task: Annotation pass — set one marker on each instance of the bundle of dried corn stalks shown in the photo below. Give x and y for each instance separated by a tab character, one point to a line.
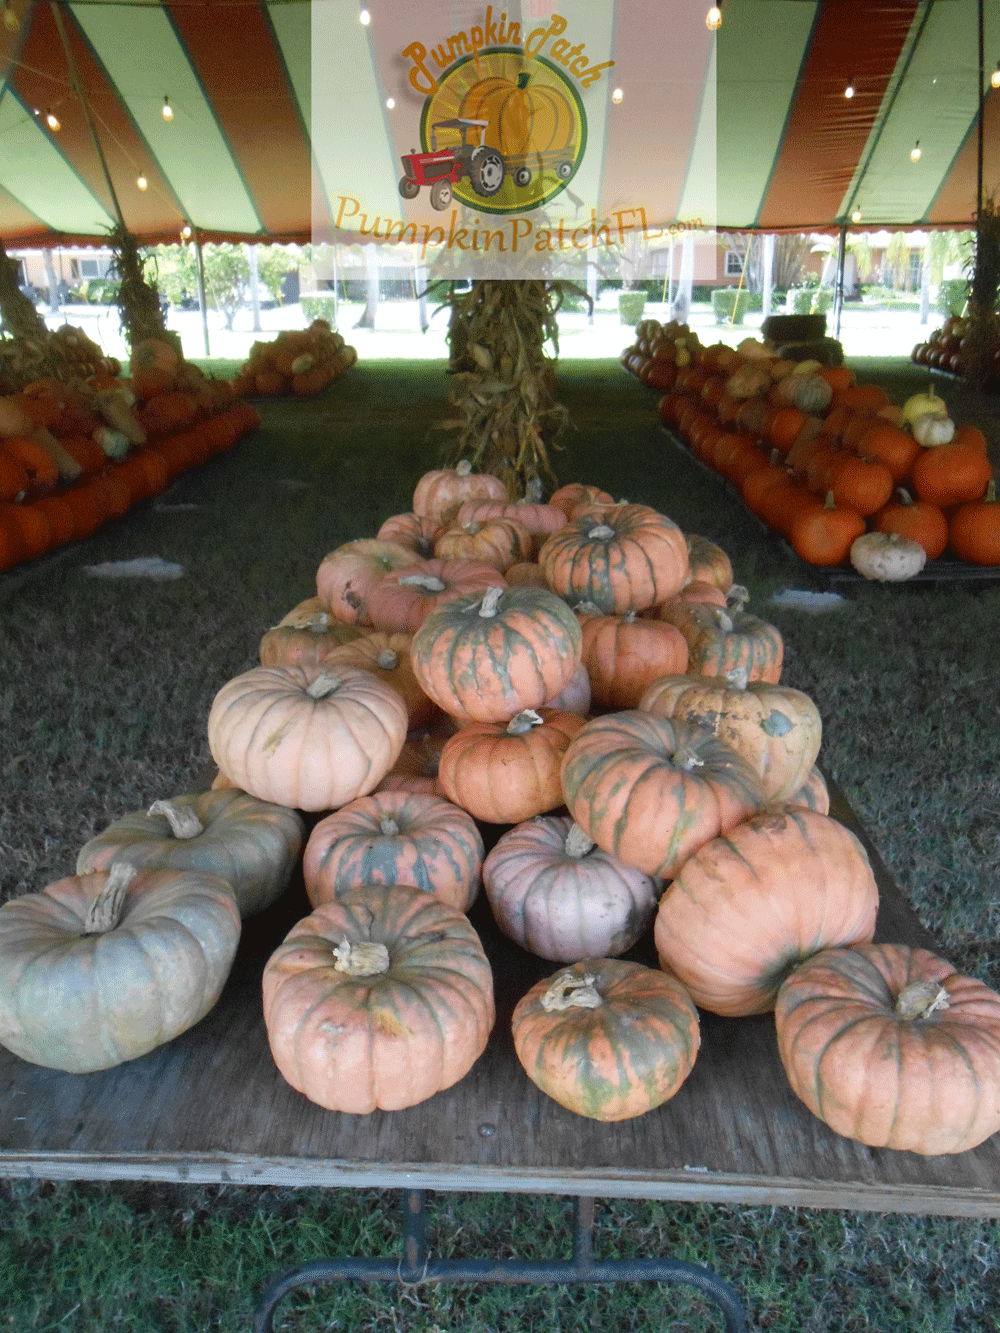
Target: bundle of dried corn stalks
982	335
507	415
27	352
138	300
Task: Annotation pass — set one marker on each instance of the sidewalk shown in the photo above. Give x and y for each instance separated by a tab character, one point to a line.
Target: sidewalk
864	332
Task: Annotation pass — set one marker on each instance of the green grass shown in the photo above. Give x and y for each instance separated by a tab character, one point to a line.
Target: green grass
105	688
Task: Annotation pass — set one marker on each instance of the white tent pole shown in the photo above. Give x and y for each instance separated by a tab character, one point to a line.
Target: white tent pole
768	271
838	290
202	299
254	286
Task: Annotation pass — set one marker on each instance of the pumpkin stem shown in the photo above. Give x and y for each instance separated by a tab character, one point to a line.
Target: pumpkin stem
586	608
323	686
106	909
738	677
387	660
524	721
904	495
388	827
991	493
491	602
570	992
737	598
920	999
472	528
430	582
464	468
724	622
601	533
361	960
577	843
533	491
523	79
183	821
687	758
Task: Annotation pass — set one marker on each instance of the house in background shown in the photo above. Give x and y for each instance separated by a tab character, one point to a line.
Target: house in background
65	268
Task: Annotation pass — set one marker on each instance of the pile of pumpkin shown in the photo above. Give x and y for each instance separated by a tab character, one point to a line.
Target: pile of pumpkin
824	461
583	675
300	361
944	350
74	455
84	358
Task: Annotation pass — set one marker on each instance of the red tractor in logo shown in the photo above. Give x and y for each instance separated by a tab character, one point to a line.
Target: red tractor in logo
441	168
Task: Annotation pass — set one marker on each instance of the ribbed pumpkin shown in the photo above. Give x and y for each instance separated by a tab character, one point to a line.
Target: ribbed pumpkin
395	838
626	559
891	1046
347	575
776	729
750	905
485	658
402	601
524	117
500	542
416	769
386	656
569	497
720	639
304	636
440	493
652	791
410	530
503	773
541	520
101	968
813	794
974	530
308	740
623	655
378	1000
560	896
708	562
254	845
607	1039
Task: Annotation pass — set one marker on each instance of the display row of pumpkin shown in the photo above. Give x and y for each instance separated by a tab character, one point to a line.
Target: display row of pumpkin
831	464
383	995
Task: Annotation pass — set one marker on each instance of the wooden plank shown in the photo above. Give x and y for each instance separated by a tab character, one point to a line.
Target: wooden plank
210	1106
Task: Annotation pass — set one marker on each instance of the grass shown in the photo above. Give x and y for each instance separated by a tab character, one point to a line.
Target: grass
105	687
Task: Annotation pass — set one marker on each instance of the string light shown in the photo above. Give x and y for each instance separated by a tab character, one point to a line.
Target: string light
995	77
390	102
617	96
856	215
168	110
52	120
713	19
10	20
364	18
185	232
915	152
142	182
849	90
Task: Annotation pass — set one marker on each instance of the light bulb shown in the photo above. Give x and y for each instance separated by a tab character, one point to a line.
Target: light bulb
856	215
995	77
849	91
52	120
364	17
10	20
185	232
713	19
915	152
168	110
617	95
390	102
142	182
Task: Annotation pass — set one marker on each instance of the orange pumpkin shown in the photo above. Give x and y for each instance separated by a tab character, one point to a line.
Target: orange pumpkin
524	117
402	601
347	575
623	655
440	494
721	639
974	530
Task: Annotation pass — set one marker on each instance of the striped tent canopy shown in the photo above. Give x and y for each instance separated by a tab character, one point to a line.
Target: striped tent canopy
235	161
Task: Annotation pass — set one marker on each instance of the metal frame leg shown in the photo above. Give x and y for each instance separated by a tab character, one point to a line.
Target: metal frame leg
415	1266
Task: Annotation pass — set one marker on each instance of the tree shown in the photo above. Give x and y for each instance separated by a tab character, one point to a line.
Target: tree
273	262
227	275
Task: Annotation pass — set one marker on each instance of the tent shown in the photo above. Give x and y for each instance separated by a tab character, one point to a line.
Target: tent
765	98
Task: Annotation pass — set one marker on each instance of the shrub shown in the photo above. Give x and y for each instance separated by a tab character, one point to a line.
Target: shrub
100	291
730	304
808	300
630	307
320	305
952	295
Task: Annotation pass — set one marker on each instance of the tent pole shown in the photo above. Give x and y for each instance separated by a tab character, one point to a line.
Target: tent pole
202	299
254	286
768	272
981	117
838	291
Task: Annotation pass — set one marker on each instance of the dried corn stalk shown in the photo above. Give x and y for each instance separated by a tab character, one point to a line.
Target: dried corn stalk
982	334
27	353
507	417
138	300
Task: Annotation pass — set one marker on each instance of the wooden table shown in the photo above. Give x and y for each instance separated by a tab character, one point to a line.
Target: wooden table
210	1106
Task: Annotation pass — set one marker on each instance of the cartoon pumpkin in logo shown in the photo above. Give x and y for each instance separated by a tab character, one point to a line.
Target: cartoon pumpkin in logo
502	134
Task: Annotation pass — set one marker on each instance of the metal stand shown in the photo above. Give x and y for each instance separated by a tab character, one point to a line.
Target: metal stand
415	1267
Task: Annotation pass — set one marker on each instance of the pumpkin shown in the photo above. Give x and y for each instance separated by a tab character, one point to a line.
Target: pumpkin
894	448
410	530
395	838
920	405
557	894
951	474
386	656
523	117
890	1046
567	498
378	1000
607	1039
101	968
540	519
628	559
575	697
440	493
500	542
708	562
503	773
483	658
253	845
810	392
750	905
651	790
347	575
775	728
813	794
974	530
720	639
306	739
304	636
623	655
402	601
525	574
931	430
823	533
416	769
916	520
887	557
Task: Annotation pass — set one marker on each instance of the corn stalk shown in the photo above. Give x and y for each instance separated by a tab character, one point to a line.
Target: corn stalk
138	300
507	418
982	334
27	353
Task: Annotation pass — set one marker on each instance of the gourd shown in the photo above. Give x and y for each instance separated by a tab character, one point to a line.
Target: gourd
557	894
607	1039
891	1046
253	845
750	905
887	557
378	1000
395	837
101	968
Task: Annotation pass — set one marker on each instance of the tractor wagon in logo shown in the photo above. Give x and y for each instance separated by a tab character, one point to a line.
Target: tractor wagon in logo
501	143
